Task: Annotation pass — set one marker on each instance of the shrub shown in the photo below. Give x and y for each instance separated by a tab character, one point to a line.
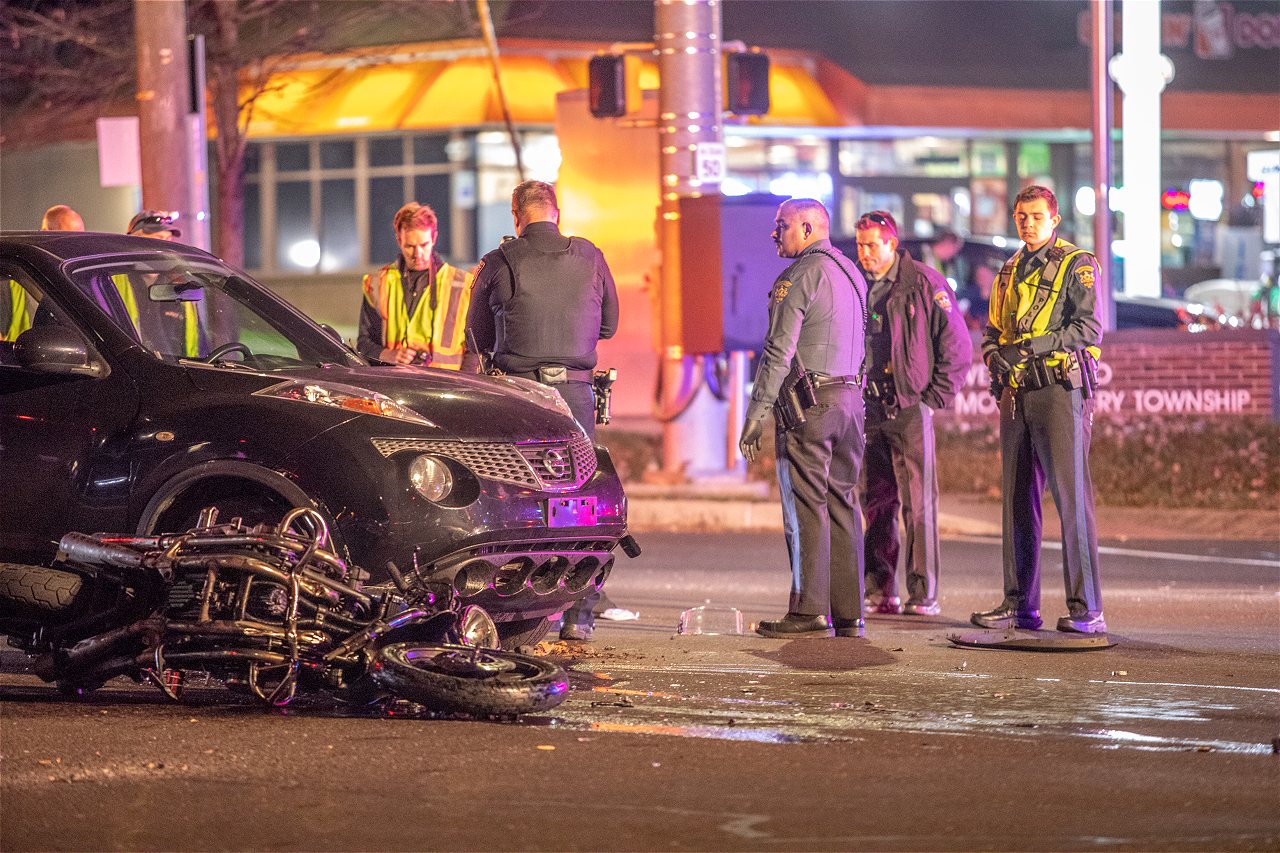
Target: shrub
1216	463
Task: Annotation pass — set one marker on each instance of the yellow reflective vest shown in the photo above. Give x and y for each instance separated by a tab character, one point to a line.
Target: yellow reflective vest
439	320
191	319
18	321
1024	309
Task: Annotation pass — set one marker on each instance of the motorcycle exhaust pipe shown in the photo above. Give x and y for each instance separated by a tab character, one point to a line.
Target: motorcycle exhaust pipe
82	548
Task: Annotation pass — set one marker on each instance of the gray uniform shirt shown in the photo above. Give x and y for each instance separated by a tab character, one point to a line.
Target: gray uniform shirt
814	311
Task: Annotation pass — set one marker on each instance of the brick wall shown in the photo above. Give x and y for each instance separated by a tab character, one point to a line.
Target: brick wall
1168	373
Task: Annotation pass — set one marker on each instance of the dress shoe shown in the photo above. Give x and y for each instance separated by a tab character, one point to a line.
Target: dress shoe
1005	616
850	627
876	602
1083	622
795	625
581	633
922	608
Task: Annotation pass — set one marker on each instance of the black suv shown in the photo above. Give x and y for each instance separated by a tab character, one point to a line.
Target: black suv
141	381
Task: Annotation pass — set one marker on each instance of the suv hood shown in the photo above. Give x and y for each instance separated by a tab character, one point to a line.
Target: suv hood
458	405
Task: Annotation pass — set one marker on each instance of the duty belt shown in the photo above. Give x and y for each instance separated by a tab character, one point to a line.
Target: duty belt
820	381
551	376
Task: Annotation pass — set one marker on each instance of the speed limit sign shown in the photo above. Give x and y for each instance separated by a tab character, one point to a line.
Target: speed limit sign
709	162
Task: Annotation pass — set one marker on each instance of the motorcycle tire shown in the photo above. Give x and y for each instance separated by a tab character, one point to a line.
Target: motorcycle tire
523	632
469	680
34	591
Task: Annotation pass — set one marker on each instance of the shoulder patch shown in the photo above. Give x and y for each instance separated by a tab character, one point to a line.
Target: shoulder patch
943	300
1084	275
780	290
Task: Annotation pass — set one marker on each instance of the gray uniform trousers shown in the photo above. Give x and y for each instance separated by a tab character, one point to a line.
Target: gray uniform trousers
1044	435
900	470
582	402
818	466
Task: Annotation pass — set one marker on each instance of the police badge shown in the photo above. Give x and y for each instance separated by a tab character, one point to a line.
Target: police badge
780	291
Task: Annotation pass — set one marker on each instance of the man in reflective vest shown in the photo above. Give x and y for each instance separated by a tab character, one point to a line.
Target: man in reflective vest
160	329
415	310
14	317
1041	345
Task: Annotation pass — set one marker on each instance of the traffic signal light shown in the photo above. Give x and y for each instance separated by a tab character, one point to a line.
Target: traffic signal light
747	83
607	86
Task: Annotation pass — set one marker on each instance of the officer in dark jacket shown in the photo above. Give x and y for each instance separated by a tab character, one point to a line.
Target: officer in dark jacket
918	352
539	306
1040	346
816	319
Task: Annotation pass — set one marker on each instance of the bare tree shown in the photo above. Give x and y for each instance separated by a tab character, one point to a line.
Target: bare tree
63	63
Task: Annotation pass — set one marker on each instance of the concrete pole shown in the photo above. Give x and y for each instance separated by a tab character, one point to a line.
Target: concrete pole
687	36
163	95
1101	86
1142	72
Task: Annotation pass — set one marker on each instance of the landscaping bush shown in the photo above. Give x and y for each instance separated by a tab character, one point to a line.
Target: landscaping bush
1216	463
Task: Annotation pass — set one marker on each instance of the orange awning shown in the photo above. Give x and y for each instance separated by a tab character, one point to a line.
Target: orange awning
448	85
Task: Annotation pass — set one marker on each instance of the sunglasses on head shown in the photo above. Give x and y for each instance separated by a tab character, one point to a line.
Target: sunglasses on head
877	218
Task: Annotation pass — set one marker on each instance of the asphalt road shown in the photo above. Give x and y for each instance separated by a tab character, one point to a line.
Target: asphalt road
900	741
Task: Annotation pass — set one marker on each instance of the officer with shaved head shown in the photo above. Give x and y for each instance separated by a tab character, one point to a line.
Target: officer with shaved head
811	368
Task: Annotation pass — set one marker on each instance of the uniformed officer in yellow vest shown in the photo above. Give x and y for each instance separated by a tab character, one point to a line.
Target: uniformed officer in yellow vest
1041	346
14	317
415	310
158	329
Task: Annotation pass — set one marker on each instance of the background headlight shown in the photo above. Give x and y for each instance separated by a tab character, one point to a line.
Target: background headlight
431	477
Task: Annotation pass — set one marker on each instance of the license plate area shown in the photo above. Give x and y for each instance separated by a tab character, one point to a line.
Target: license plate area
571	512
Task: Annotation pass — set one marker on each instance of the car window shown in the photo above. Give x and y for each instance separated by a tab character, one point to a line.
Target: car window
181	309
22	307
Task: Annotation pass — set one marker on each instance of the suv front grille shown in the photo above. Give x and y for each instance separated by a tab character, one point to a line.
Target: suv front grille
553	466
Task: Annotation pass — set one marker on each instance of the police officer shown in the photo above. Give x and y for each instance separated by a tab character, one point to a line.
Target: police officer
414	311
816	319
918	352
1040	345
541	303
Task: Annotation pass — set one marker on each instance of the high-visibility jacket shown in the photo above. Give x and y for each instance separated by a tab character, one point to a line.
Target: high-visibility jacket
1056	317
439	320
17	321
190	322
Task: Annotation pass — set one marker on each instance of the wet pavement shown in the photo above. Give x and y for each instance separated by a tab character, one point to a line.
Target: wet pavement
899	741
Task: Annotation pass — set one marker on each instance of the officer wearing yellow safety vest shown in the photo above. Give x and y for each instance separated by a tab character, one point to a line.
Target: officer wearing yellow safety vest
14	316
1041	346
415	310
156	330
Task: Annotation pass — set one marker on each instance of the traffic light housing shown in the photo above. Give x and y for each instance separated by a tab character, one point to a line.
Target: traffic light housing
747	83
607	86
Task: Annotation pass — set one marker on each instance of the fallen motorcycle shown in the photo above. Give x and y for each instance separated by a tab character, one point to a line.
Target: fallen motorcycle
267	609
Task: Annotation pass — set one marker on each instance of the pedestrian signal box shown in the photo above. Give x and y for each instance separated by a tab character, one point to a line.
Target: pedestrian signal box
747	83
607	86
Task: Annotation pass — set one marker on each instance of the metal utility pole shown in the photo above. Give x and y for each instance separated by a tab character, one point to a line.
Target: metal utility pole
1101	85
687	37
163	105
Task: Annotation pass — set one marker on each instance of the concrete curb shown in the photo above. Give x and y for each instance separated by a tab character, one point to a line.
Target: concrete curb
710	515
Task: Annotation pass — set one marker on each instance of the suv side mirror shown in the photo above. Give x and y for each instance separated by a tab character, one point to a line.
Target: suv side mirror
56	349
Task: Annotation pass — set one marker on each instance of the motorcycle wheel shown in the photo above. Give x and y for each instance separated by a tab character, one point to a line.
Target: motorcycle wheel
523	632
34	591
469	680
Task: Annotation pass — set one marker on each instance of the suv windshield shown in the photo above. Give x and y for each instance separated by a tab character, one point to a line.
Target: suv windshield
182	308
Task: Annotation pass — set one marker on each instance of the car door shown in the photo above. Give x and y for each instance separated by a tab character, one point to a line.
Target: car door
64	437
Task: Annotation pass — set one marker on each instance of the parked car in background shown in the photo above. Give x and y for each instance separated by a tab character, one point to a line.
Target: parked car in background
973	271
141	381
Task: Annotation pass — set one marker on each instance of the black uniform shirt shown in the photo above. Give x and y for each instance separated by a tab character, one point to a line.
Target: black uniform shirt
879	341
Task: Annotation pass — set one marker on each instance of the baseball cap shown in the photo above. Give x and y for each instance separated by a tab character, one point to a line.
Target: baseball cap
153	222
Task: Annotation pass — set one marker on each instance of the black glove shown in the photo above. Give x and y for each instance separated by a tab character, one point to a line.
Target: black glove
749	441
1005	359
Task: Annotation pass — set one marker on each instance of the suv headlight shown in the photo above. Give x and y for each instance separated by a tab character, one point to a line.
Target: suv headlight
340	396
431	478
